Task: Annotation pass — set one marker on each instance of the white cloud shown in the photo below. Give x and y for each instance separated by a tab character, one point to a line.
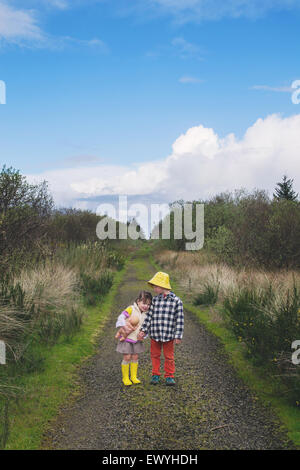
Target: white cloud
279	89
186	49
16	25
63	42
178	47
195	10
189	79
61	4
20	27
200	165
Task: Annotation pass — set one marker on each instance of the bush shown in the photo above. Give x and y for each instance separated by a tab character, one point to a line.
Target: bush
208	296
94	289
267	324
247	315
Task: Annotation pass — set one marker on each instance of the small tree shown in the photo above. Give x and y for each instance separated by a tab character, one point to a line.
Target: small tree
285	190
24	213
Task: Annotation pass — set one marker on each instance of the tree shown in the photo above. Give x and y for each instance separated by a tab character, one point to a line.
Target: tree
24	213
285	190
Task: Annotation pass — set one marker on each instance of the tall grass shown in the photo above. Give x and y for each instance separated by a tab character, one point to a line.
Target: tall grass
91	258
4	425
93	263
43	304
209	294
268	323
53	291
194	270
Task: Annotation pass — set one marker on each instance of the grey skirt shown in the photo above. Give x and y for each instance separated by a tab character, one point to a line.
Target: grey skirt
124	347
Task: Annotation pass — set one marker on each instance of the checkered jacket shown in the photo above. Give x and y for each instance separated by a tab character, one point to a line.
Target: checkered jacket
164	320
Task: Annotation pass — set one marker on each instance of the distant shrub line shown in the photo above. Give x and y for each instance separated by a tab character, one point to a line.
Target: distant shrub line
248	229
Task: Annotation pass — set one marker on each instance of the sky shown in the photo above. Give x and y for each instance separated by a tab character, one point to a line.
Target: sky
158	100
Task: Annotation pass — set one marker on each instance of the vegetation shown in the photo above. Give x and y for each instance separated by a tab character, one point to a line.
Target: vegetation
268	324
52	268
246	229
208	296
285	190
55	276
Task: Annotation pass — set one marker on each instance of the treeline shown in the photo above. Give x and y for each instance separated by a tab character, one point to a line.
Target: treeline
249	228
32	229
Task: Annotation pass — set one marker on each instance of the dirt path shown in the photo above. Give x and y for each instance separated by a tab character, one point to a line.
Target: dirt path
209	408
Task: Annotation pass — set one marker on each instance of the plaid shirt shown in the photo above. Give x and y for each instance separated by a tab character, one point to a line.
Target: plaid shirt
164	320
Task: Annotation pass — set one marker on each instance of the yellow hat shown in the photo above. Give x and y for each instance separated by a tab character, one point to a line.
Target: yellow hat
161	279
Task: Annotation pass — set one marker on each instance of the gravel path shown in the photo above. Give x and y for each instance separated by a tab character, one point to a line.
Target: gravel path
209	408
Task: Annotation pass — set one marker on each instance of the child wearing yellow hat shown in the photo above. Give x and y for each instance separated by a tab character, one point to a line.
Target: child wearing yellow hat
164	323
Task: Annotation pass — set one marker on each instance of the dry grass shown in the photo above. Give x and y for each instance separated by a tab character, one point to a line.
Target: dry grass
52	300
51	286
13	326
194	269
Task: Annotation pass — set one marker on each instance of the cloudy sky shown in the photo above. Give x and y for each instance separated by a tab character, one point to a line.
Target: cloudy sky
155	99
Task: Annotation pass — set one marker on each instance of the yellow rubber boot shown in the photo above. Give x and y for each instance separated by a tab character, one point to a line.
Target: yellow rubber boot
133	373
125	374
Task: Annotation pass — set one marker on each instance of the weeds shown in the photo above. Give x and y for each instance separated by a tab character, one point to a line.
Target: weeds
268	324
93	289
4	428
208	296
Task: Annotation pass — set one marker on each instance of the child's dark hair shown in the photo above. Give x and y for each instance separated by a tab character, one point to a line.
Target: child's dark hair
144	295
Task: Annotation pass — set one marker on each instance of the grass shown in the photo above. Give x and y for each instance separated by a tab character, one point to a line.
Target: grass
255	377
47	390
208	296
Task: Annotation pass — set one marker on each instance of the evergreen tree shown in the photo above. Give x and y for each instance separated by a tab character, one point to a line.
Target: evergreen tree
285	190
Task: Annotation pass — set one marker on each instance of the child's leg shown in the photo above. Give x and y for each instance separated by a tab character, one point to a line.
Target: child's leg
155	351
125	369
134	368
168	349
126	358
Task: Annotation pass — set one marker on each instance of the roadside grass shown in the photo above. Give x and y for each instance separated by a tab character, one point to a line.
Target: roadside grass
42	393
265	388
143	273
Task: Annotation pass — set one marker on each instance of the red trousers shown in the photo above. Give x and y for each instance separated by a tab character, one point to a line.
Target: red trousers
155	352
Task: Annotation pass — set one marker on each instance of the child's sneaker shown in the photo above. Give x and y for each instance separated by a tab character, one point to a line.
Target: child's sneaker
170	381
155	379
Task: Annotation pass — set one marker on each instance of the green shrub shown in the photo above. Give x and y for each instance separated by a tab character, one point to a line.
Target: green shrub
247	315
4	424
208	296
268	324
93	289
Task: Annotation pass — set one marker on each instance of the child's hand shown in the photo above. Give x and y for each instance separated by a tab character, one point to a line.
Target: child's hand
177	341
141	335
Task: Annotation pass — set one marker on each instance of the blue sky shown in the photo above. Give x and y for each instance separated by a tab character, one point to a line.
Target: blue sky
106	95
